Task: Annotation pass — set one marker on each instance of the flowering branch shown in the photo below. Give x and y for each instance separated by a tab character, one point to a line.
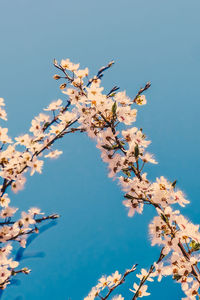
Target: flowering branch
141	288
120	282
125	153
111	283
123	148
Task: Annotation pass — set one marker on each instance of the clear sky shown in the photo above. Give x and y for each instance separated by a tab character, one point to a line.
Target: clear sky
149	40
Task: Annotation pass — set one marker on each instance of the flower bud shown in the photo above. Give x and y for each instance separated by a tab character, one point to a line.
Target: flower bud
63	86
56	77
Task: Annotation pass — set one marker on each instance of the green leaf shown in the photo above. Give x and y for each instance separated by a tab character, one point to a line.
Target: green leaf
177	277
115	146
126	172
46	124
174	183
165	219
195	246
112	95
107	147
114	108
136	151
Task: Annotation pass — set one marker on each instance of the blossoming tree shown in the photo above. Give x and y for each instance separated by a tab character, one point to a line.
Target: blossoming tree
106	117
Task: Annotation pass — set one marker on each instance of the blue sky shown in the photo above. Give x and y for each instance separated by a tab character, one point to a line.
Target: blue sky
155	41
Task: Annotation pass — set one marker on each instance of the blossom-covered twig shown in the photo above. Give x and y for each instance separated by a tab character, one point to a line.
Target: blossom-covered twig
144	277
125	152
108	284
123	148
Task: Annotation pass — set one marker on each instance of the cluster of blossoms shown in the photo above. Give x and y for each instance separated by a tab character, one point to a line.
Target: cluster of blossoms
107	284
124	149
16	158
107	118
